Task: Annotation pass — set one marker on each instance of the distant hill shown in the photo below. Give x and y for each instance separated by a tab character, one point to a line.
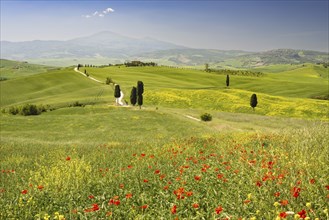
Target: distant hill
108	47
279	56
191	57
104	44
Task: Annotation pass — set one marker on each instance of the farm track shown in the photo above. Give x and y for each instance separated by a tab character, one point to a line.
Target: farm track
96	80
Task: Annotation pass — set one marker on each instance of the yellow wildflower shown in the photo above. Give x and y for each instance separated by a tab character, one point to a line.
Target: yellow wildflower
46	217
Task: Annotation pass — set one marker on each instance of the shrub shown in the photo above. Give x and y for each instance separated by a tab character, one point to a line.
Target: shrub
206	117
29	109
77	104
13	110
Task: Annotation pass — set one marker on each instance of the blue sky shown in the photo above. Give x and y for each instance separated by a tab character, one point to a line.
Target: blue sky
238	25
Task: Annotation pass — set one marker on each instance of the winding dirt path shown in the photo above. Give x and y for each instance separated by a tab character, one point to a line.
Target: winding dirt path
96	80
118	100
191	117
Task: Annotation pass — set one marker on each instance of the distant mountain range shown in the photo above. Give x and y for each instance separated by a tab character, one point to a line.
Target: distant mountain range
111	47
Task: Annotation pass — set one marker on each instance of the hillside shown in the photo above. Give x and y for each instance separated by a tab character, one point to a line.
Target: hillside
178	88
273	57
12	69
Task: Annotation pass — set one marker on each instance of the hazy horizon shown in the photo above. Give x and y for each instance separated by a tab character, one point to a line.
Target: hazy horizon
224	25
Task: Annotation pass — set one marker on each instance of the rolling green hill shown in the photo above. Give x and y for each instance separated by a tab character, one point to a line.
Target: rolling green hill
302	82
284	94
12	69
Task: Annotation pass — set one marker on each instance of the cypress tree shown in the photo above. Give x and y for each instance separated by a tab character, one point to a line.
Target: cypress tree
227	80
253	101
140	91
140	101
133	96
140	88
117	91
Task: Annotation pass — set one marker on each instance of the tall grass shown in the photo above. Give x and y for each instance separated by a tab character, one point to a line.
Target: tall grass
250	175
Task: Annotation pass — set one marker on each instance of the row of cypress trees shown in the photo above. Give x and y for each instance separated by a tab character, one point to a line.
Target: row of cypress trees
136	95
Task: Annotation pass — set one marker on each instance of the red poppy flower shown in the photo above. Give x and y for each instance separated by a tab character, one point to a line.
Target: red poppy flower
24	191
302	214
197	178
283	215
259	183
246	201
145	180
295	192
114	202
312	181
121	186
68	158
195	205
189	193
157	171
166	187
179	193
277	194
284	202
144	206
129	195
173	209
40	187
218	210
91	197
327	187
93	209
143	155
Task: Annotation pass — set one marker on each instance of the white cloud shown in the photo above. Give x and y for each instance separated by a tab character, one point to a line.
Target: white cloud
98	14
109	10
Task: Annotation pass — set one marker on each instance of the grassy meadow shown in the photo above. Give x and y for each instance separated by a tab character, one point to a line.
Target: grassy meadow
102	161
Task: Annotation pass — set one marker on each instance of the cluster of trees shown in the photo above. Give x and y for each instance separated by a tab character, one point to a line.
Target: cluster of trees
139	63
324	64
233	72
136	94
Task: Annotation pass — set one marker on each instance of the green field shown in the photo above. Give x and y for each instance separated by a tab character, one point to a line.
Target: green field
103	161
13	69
